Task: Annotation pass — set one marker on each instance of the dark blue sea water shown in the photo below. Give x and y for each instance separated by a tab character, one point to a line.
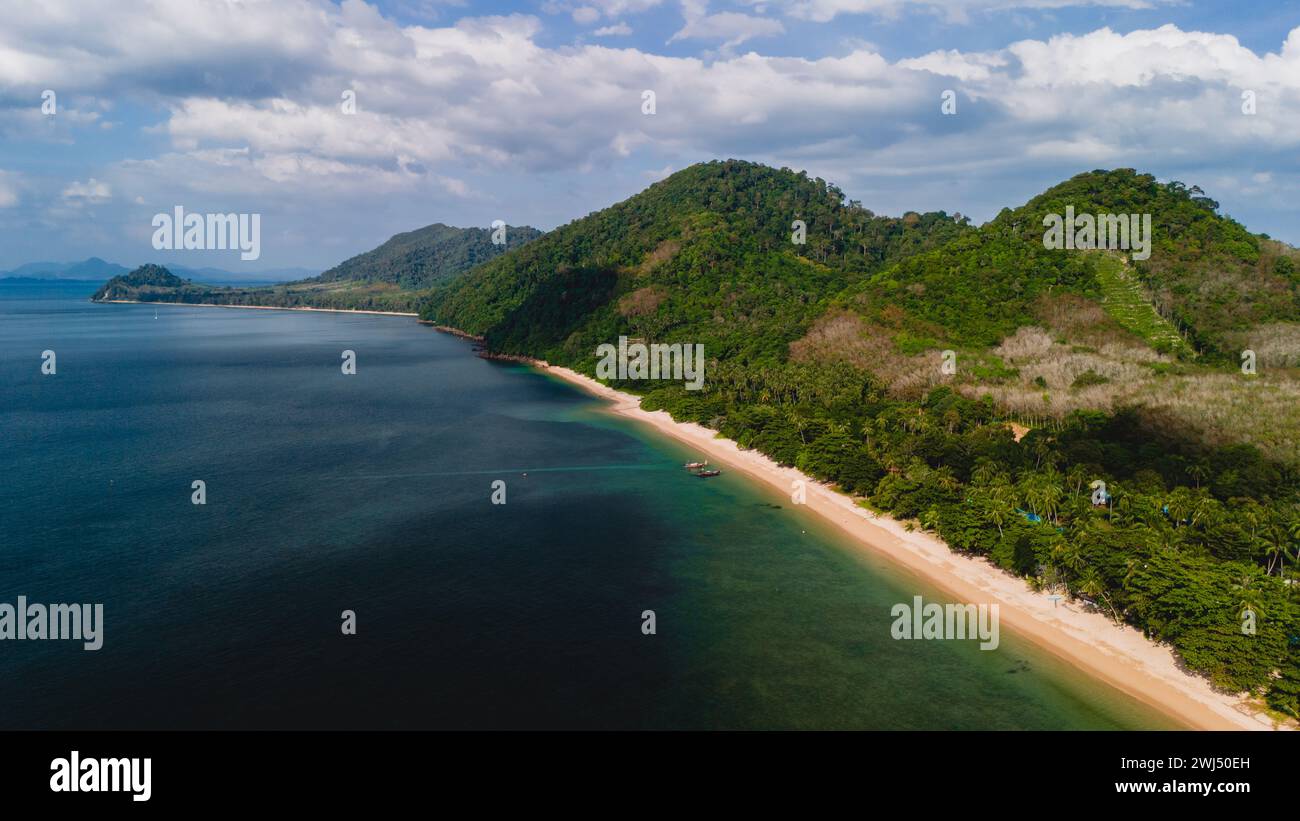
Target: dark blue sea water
371	493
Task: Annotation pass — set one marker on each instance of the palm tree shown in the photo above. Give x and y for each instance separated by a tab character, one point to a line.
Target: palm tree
1050	495
1077	475
1122	506
1248	593
1274	538
1067	555
1092	586
1292	525
1254	516
1130	570
946	480
1179	505
1205	509
998	505
1028	486
987	472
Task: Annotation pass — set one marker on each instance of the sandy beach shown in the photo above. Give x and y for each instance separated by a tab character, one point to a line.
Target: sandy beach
1118	654
255	307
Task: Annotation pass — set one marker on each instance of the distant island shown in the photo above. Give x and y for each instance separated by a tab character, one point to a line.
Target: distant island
394	277
93	269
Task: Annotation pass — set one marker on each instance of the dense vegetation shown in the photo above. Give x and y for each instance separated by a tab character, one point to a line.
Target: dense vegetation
143	281
1203	267
392	277
813	349
1188	540
703	256
416	260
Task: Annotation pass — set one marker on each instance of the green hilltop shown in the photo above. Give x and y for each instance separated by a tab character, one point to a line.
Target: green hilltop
705	254
140	284
418	259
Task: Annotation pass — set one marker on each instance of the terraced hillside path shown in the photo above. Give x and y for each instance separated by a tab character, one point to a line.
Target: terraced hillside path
1124	298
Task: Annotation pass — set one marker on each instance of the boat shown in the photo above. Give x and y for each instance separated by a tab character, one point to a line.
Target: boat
697	465
705	474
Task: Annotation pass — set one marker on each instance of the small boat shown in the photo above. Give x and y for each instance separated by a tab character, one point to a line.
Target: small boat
697	465
705	474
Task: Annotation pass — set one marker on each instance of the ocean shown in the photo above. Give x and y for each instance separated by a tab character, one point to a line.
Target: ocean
372	493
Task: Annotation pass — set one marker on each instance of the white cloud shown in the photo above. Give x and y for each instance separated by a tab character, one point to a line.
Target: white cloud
616	30
8	190
591	10
485	94
965	67
90	192
954	11
731	27
619	8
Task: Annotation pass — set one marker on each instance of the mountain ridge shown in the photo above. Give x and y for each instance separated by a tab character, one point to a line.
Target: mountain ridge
390	277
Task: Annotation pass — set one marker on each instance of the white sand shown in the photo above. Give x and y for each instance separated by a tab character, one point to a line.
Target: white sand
1091	642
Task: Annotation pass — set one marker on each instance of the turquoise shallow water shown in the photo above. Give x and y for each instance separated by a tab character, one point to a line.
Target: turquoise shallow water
372	493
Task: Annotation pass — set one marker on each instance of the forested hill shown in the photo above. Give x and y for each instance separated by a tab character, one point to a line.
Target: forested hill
1206	273
393	277
142	282
707	253
708	256
1085	419
416	260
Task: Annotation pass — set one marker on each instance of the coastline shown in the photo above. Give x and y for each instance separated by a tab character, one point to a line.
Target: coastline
1117	654
251	307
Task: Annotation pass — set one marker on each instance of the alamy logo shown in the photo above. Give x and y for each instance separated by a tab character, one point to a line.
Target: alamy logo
75	774
946	621
208	232
656	361
76	622
1110	232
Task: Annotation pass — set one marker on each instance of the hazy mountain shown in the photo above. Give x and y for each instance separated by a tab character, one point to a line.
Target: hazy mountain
90	269
95	269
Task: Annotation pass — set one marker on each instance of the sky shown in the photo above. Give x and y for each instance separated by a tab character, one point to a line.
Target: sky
341	124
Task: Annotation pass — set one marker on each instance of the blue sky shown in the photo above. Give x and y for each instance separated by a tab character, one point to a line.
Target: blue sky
530	111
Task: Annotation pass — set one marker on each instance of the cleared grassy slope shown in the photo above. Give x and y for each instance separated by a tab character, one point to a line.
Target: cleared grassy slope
1124	299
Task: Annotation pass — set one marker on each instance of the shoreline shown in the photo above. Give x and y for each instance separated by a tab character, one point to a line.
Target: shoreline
251	307
1117	654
